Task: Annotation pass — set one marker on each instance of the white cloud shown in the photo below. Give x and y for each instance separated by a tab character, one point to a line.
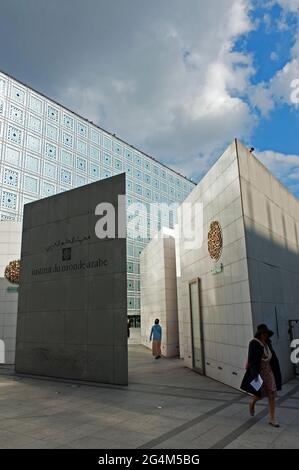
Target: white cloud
164	75
284	167
289	5
265	96
173	86
274	56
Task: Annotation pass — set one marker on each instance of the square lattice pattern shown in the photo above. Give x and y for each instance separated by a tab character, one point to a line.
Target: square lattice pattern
45	149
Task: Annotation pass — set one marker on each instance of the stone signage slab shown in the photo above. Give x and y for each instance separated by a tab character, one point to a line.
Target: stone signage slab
72	314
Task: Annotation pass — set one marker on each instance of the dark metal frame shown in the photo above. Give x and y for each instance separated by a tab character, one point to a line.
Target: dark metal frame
197	282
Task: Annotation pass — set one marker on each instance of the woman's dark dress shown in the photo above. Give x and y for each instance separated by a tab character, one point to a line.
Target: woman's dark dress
255	354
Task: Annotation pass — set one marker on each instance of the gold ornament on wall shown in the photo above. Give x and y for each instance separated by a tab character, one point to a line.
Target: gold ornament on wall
12	271
215	242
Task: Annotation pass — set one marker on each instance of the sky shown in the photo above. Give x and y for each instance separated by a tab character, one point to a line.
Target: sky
179	79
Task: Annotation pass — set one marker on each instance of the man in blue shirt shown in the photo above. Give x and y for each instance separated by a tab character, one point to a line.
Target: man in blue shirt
156	336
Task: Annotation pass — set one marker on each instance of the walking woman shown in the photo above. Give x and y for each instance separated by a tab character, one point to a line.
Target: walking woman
156	336
262	361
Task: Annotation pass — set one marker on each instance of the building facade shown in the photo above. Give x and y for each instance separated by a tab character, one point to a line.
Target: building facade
241	271
245	272
46	149
10	249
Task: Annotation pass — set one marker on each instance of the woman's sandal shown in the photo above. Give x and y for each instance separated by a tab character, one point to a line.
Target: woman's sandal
274	425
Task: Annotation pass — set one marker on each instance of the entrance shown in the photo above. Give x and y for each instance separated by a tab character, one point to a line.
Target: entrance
196	327
294	334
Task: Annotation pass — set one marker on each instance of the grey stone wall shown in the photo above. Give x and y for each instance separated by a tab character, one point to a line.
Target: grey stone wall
271	217
73	295
159	293
225	305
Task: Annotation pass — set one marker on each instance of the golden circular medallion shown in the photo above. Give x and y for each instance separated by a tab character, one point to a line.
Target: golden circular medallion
12	271
215	241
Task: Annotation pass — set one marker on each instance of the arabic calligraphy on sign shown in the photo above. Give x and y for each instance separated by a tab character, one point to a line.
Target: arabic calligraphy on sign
68	241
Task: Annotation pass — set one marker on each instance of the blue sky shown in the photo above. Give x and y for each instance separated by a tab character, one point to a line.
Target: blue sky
178	79
267	39
271	44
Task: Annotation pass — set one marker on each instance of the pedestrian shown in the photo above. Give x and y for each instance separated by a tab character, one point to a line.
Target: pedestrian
262	364
156	336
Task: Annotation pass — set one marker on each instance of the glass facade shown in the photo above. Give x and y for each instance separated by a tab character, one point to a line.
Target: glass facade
46	149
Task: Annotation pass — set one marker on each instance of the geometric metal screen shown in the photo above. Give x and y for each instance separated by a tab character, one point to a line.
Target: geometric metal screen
46	149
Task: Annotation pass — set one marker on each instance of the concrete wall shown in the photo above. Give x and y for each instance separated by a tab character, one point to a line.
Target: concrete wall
271	216
72	320
260	277
10	249
225	297
159	293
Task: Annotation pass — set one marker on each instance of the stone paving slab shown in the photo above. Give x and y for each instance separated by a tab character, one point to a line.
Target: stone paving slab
165	406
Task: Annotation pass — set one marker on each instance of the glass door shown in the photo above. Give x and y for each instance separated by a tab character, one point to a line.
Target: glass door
196	326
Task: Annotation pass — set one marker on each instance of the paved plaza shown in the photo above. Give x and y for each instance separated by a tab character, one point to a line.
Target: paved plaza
165	406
